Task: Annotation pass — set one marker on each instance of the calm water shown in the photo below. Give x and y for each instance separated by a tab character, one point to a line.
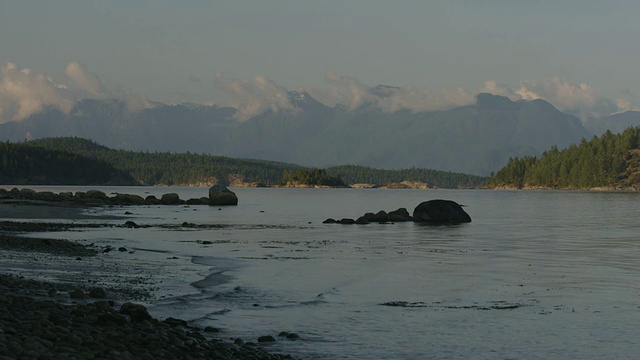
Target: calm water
536	275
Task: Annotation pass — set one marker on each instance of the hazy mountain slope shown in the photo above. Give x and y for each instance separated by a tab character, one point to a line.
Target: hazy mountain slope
472	139
617	123
475	139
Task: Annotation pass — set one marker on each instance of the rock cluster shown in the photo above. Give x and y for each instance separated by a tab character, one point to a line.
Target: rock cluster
432	211
32	328
217	196
381	216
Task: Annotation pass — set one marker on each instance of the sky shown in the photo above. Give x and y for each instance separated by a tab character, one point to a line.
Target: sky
577	54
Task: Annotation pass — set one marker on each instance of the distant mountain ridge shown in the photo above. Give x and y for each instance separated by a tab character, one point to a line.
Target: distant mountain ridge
473	139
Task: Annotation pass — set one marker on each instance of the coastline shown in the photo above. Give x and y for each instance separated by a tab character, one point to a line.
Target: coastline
61	298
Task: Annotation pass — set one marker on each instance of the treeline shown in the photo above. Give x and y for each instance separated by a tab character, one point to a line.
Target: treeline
353	174
162	168
313	176
24	164
606	161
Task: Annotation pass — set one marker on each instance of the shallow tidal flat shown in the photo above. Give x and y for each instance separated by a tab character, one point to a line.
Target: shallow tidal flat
66	299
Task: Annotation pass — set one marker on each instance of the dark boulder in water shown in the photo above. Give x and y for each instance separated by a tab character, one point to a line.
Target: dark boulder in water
379	217
440	212
220	195
400	215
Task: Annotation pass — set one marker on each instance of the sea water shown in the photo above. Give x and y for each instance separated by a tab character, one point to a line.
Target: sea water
535	275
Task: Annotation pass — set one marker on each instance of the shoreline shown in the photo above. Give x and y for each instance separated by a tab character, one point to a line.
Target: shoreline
46	283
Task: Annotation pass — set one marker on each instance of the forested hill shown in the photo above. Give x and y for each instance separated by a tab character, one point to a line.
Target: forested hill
609	161
170	168
25	164
194	169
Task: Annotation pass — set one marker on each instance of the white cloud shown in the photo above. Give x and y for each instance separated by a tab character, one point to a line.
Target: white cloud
352	93
492	87
23	93
86	81
254	97
581	99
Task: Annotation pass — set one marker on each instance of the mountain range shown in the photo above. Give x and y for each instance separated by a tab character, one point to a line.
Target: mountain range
474	139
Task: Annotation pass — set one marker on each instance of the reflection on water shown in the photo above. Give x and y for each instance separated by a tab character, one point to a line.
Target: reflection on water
536	275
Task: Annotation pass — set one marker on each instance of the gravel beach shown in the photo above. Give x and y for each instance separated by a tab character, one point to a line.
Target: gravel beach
62	299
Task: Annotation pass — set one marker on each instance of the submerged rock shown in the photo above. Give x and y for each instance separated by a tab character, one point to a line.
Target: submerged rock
440	212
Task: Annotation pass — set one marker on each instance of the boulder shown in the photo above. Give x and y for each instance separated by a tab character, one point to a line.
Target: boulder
400	215
136	312
170	199
220	195
27	193
347	221
127	199
95	194
440	212
379	217
152	200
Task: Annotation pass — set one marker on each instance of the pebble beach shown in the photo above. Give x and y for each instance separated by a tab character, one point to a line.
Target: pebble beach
54	306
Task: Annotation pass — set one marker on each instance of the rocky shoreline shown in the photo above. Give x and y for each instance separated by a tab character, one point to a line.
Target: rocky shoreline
35	324
64	299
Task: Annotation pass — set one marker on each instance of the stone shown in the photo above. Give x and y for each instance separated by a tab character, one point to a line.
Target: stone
329	221
400	215
440	212
170	199
131	224
211	329
47	196
220	195
362	221
173	322
136	312
95	194
98	293
347	221
266	338
152	200
127	199
379	217
27	193
110	318
78	294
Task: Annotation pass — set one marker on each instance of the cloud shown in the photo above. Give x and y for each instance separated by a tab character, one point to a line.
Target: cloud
23	93
352	93
580	99
86	81
254	97
492	87
88	85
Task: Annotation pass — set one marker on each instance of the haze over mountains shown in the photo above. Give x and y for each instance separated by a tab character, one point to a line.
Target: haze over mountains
384	126
475	139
